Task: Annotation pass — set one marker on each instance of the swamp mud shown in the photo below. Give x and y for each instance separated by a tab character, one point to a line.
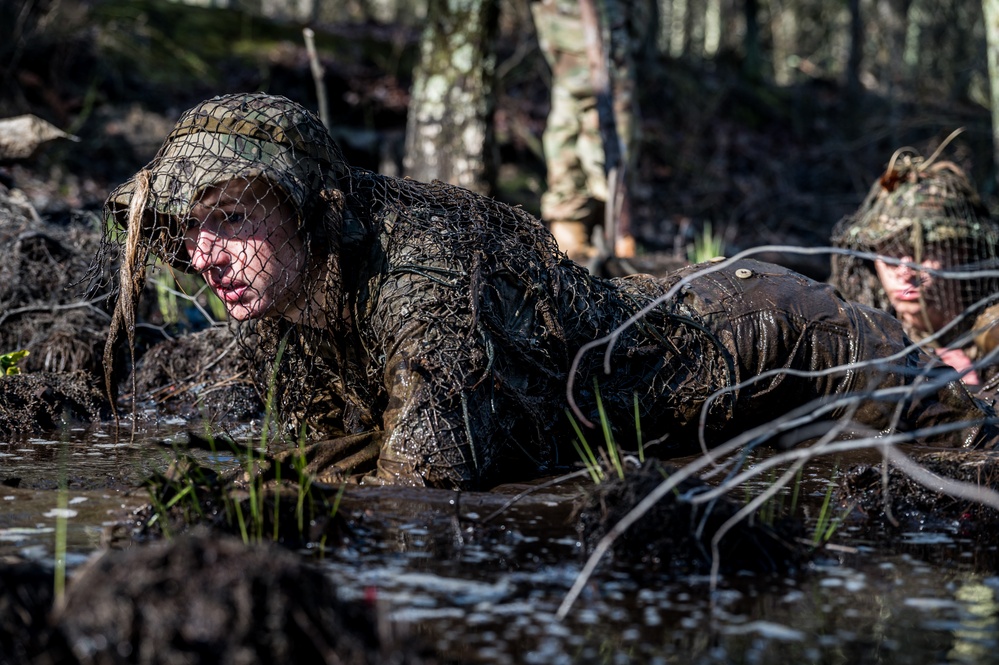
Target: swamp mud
432	576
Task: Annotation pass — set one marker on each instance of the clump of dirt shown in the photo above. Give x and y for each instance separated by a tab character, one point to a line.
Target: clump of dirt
43	306
256	495
900	501
26	597
47	401
674	537
201	598
45	311
203	374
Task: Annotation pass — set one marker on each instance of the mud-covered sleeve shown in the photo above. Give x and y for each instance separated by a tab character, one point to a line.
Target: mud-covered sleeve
435	421
839	352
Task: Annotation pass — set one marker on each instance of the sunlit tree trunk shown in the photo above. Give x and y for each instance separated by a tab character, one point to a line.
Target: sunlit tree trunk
784	29
449	134
991	11
678	28
712	27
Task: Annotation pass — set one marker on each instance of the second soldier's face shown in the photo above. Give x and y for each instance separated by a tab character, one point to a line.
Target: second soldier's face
242	237
912	292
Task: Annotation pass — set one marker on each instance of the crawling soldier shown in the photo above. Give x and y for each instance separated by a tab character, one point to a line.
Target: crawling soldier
927	214
426	335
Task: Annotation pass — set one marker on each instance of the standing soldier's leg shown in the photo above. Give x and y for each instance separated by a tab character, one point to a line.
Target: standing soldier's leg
572	204
569	205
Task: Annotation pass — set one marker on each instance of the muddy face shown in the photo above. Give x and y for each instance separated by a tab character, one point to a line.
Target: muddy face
242	237
915	294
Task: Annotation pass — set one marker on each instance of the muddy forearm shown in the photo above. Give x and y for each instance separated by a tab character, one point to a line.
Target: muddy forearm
425	440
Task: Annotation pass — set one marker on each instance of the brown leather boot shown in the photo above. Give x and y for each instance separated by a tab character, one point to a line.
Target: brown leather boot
573	238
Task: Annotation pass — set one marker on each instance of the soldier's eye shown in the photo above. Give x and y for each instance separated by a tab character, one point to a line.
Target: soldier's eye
234	219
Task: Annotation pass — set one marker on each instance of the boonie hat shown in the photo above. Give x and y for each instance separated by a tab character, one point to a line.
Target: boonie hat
242	135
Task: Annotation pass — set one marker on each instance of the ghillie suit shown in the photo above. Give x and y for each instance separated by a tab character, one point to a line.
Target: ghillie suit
676	534
923	209
440	328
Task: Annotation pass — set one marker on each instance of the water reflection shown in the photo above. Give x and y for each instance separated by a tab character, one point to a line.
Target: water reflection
976	632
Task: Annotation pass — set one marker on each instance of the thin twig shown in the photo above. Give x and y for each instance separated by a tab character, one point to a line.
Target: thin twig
56	308
317	75
657	494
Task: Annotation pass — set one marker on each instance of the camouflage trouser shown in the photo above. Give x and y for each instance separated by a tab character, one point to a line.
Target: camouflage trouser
574	151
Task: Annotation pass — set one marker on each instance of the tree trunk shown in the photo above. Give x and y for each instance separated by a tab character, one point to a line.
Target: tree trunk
856	51
784	31
991	11
678	28
449	131
712	28
753	65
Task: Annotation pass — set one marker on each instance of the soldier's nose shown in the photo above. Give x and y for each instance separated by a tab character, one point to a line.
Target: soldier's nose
207	252
905	268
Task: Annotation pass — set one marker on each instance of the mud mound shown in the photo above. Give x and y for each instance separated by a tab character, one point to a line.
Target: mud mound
200	599
25	600
45	401
675	535
199	375
43	307
908	504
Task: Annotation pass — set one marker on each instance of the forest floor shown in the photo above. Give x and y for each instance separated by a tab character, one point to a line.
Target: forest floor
752	162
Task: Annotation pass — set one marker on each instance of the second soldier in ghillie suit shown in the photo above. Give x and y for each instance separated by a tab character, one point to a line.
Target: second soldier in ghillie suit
426	335
938	241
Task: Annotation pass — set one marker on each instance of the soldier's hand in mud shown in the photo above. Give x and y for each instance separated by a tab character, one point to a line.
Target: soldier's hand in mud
334	461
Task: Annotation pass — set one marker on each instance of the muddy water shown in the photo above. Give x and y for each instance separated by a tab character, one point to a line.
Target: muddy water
485	589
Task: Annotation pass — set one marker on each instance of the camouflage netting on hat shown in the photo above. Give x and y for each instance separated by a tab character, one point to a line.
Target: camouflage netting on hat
225	138
921	212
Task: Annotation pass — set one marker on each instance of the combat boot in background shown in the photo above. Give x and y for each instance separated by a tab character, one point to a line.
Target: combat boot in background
573	238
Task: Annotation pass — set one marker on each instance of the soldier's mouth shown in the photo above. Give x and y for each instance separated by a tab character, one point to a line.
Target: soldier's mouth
907	295
229	292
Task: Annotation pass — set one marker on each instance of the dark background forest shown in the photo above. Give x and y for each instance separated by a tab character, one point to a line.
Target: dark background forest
767	120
